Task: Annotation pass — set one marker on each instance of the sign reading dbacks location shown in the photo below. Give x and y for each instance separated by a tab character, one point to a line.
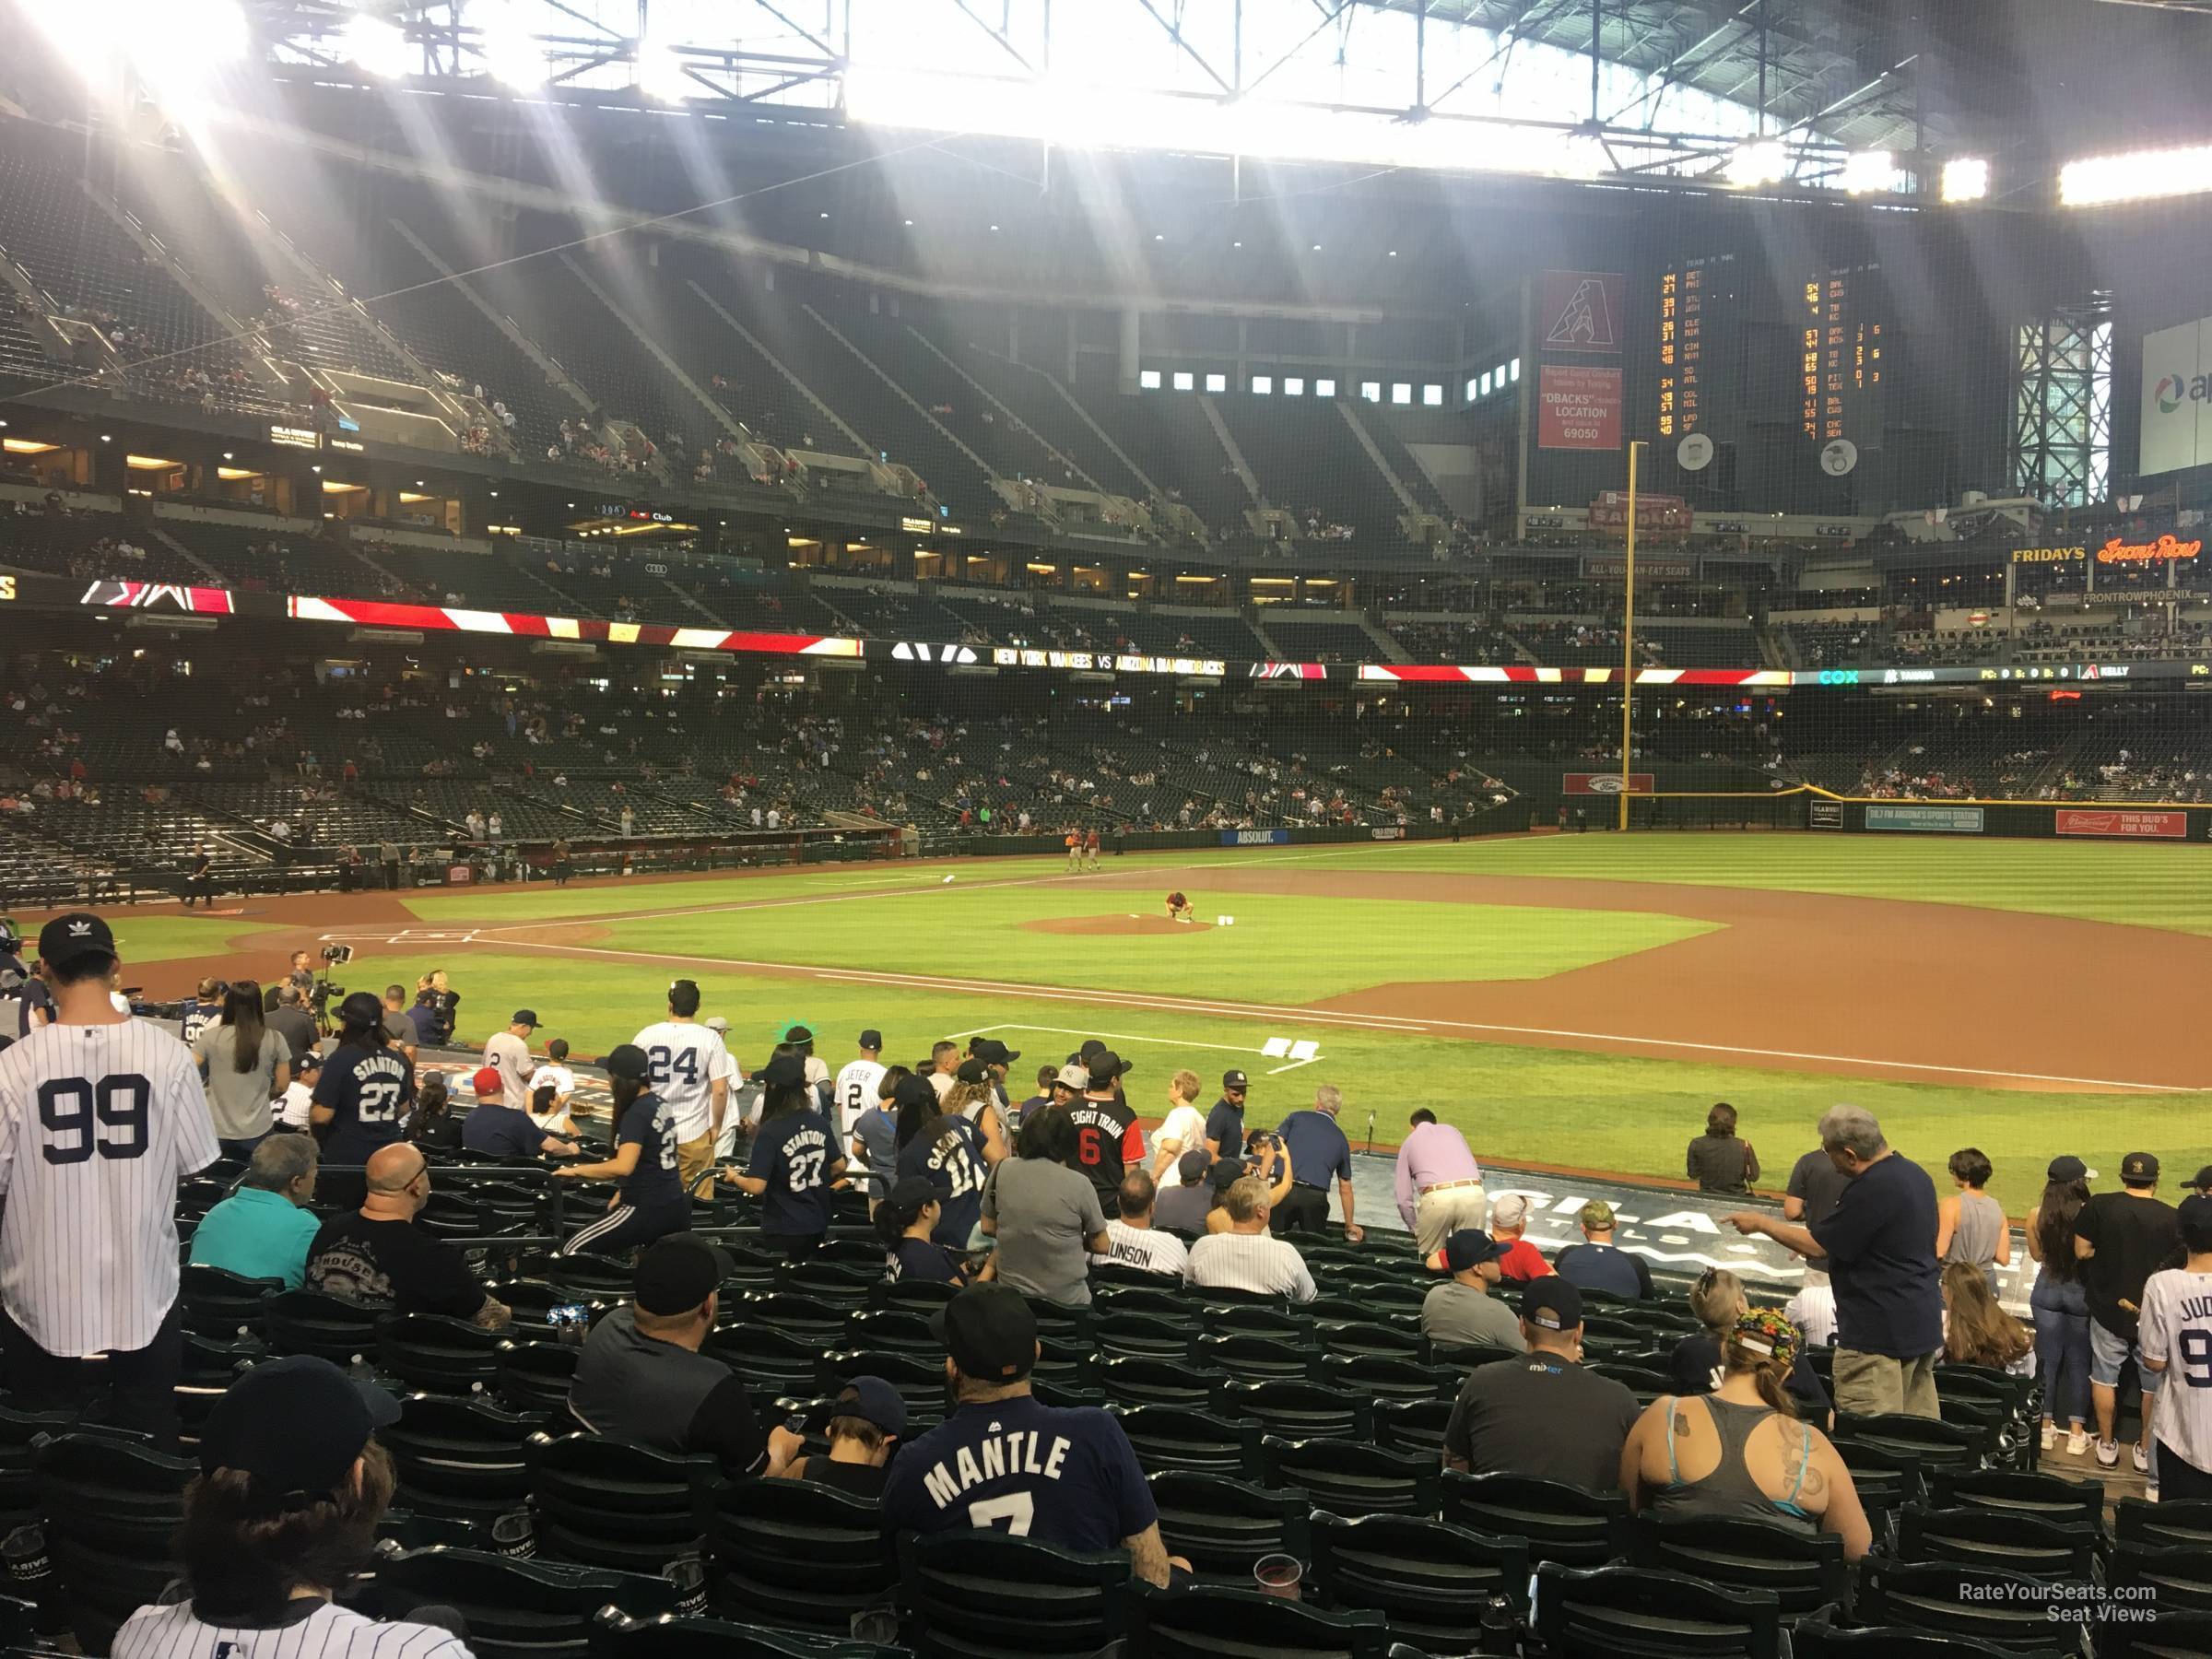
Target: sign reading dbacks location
1604	784
1578	408
2078	820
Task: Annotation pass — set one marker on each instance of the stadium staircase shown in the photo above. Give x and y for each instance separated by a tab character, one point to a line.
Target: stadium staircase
1211	409
955	475
1397	461
1058	418
724	420
1374	454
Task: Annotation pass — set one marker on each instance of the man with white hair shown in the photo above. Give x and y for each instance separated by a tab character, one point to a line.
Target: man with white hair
1879	1245
1508	1224
1244	1257
1318	1150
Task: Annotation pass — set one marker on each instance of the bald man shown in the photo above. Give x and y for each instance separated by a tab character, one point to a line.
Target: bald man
379	1256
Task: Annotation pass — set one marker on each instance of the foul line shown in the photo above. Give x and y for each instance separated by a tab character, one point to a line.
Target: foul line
1373	1023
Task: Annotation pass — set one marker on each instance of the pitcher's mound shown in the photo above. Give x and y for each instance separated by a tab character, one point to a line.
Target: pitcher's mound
1115	926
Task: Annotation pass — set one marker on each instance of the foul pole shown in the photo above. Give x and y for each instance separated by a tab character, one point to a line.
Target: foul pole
1628	643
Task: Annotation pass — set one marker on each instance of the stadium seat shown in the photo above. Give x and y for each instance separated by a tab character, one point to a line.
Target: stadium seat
1178	1437
772	1358
1250	1319
919	1383
669	1637
609	1502
210	1366
1645	1385
1938	1444
515	1609
2005	1608
2172	1636
19	1433
1253	1357
1207	1621
111	1509
1368	1339
2013	1493
219	1303
1144	1337
1296	1410
2175	1580
1224	1527
1813	1639
2162	1525
924	1294
991	1595
809	1319
438	1354
1159	1382
1412	1425
462	1459
1612	1612
535	1376
1388	1377
891	1330
589	1278
1351	1477
1887	1479
1463	1358
1139	1292
2039	1545
532	1299
1428	1579
838	1283
797	1555
1803	1571
330	1327
1563	1524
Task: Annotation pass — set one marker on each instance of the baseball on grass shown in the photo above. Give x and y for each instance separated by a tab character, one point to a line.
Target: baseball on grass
948	881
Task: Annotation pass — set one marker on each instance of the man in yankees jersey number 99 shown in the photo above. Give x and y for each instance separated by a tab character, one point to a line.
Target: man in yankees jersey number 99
100	1115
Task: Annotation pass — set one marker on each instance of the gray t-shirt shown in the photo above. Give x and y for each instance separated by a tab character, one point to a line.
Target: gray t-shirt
1457	1315
239	1101
1046	1215
1815	1179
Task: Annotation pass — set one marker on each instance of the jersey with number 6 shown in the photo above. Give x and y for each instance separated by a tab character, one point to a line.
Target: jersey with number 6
1068	1476
98	1124
2176	1326
365	1090
685	1060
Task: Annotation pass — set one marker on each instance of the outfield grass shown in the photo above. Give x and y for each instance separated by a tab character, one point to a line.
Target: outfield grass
1515	1103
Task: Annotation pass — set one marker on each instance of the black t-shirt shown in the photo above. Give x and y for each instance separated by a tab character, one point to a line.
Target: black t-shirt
793	1154
1880	1241
502	1131
1107	1141
634	1387
654	1184
1225	1123
392	1262
1542	1416
1815	1181
1695	1366
1603	1267
365	1088
2133	1237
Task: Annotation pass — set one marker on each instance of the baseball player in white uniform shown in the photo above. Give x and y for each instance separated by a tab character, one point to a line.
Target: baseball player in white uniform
690	1069
100	1116
292	1438
853	1091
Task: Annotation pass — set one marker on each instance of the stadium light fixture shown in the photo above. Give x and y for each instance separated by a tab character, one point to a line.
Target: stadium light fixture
1866	171
513	57
661	74
1758	161
376	46
1965	179
2137	176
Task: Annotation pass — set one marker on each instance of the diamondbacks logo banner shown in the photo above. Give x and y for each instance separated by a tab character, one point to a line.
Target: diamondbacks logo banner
1581	312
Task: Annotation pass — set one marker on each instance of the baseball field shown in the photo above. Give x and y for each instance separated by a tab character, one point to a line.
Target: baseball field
1570	1001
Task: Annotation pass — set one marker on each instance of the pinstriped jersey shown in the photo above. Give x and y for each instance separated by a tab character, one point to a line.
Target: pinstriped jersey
98	1124
328	1633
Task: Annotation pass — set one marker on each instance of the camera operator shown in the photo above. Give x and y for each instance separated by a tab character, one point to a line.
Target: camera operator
302	974
320	988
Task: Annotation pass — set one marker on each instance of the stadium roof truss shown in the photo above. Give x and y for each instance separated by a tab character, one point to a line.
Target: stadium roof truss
1578	89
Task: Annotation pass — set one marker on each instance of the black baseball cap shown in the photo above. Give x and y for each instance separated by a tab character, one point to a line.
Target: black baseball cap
990	1333
1191	1165
1552	1303
1469	1247
913	1192
78	933
872	1039
361	1009
2195	1215
914	1091
2201	1179
677	1273
294	1426
784	1071
1233	1079
2066	1167
628	1060
1106	1065
992	1052
2139	1168
525	1017
973	1070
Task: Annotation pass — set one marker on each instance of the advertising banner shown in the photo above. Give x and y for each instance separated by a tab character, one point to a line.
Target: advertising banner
1609	510
1255	837
1582	310
1578	408
1604	784
2085	821
1825	815
1948	820
2177	398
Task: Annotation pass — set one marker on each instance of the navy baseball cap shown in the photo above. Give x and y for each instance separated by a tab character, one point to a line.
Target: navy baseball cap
1106	1065
677	1273
872	1400
1191	1165
914	1091
784	1071
1233	1079
2139	1168
2195	1215
973	1070
294	1426
525	1017
992	1052
361	1009
627	1060
2066	1167
872	1039
78	933
1469	1247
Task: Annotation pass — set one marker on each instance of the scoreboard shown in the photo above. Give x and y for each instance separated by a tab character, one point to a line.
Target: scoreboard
1842	353
1699	300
